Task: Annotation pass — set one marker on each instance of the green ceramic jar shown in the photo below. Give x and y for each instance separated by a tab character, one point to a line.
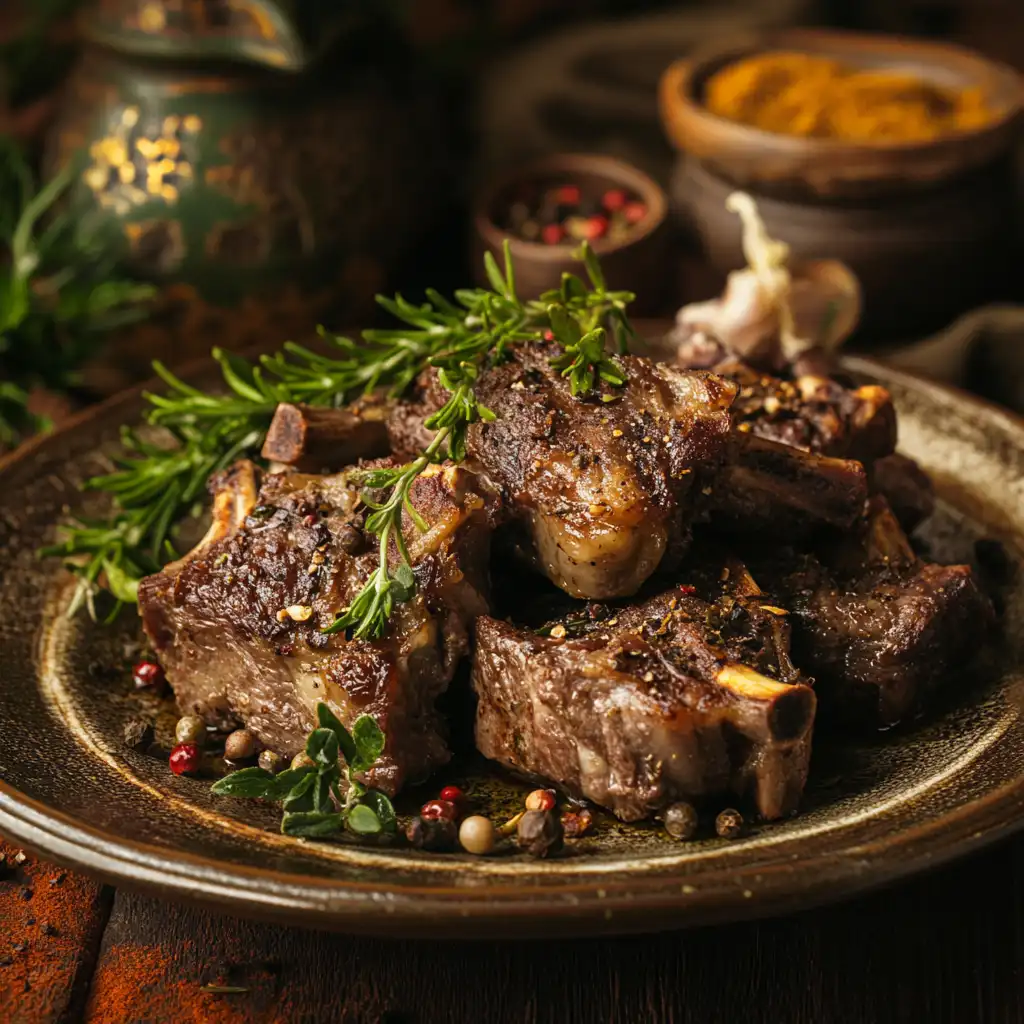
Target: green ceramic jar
263	183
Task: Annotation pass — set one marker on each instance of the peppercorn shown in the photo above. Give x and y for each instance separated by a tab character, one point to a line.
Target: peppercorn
541	800
138	734
190	729
614	199
577	823
351	540
439	809
681	820
148	675
476	834
271	762
453	795
184	759
635	212
436	834
240	745
540	833
729	824
552	234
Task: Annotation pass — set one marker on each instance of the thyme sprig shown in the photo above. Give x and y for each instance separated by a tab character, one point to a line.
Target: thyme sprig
314	803
155	486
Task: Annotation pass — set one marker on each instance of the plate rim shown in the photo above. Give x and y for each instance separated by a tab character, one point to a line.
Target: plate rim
454	912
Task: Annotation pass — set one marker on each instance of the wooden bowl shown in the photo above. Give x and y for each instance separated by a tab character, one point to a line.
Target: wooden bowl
832	168
636	263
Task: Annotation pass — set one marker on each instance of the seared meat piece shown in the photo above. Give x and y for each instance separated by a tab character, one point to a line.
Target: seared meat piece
634	708
604	492
312	439
600	489
905	486
810	411
773	488
237	622
876	627
813	412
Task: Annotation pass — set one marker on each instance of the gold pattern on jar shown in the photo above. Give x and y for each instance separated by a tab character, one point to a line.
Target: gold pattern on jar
131	166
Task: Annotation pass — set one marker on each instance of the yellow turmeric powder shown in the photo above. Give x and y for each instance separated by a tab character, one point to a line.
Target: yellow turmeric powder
804	94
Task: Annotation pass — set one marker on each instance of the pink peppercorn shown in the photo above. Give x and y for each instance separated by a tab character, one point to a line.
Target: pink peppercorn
434	809
614	199
635	211
148	675
552	234
184	759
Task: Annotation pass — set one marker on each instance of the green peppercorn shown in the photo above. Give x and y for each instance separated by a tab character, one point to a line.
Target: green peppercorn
190	729
271	762
681	820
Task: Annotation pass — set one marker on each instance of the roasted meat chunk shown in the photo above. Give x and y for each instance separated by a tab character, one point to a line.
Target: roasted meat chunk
603	491
633	708
876	627
238	622
600	490
808	409
812	411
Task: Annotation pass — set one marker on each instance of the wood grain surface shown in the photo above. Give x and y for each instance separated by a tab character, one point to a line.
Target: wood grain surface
945	948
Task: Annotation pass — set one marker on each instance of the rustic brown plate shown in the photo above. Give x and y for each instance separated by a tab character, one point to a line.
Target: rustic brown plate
876	809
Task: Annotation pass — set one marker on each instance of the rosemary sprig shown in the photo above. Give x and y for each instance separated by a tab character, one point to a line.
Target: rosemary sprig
314	804
155	487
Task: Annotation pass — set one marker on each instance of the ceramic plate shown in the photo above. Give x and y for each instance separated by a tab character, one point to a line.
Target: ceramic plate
875	809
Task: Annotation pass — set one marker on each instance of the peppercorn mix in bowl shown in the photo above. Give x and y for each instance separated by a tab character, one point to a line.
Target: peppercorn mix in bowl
546	209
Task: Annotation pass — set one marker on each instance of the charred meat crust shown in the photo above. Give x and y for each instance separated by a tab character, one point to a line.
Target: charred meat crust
602	488
877	628
634	708
237	624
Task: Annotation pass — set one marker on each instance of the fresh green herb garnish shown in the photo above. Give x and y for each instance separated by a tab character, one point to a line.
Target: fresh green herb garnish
314	803
156	486
58	291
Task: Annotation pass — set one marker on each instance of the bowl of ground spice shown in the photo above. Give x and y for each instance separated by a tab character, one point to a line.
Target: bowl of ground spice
895	157
547	209
841	115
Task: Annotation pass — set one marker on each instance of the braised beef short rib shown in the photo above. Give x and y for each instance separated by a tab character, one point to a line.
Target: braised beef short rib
684	696
603	490
876	627
237	622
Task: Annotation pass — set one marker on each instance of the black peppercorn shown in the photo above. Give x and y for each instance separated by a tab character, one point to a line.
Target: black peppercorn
729	824
138	733
681	820
436	834
540	833
350	539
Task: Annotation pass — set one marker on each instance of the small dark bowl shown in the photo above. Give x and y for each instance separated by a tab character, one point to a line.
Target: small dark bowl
636	263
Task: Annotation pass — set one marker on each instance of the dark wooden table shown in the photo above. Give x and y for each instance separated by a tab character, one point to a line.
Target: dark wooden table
945	947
